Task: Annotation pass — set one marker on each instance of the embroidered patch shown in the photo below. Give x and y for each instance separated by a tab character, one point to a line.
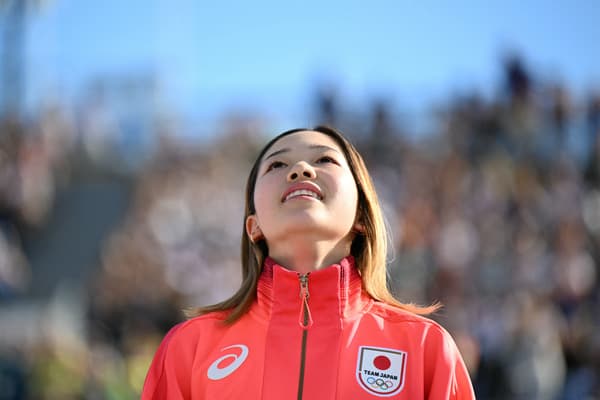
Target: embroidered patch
381	371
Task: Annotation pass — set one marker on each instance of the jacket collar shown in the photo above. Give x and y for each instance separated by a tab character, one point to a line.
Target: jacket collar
335	293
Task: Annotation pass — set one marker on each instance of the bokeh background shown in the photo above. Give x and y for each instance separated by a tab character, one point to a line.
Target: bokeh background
127	129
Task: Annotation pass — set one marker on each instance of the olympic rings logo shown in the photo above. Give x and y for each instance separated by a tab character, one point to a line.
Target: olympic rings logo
379	383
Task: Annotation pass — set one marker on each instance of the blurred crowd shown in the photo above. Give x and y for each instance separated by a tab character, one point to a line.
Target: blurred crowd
495	213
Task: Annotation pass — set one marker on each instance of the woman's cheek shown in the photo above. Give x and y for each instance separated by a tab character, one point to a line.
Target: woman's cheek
265	198
259	202
349	191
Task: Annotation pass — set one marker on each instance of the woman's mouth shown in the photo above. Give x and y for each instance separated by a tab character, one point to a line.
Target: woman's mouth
302	193
302	189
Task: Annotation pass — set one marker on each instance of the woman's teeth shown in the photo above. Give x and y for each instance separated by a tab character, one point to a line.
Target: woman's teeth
302	192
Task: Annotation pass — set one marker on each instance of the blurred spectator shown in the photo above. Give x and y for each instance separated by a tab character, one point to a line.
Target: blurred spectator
593	117
327	105
520	120
14	269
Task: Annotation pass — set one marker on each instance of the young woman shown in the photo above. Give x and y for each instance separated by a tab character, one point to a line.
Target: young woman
314	318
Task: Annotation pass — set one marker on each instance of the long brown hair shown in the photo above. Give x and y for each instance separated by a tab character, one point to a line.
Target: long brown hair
369	248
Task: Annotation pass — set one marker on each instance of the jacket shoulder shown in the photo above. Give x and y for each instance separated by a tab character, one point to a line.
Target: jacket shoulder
445	374
169	372
193	329
397	315
200	323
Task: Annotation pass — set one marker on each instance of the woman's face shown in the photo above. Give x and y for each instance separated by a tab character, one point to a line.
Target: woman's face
304	186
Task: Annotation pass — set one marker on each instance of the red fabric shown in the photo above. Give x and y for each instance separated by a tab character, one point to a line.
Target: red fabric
344	319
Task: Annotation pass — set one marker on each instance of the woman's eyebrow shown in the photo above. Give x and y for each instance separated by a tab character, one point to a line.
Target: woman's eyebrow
312	146
323	147
273	154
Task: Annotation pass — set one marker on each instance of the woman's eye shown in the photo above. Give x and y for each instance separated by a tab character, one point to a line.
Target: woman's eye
275	164
326	159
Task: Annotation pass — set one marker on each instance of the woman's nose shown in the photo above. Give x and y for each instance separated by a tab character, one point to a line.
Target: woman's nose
301	169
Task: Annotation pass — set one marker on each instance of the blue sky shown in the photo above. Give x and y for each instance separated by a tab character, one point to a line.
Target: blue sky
267	54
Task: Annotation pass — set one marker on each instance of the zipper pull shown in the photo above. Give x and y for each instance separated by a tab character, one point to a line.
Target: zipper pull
305	318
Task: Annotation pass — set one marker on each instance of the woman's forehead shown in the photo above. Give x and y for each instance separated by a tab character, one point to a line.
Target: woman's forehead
301	140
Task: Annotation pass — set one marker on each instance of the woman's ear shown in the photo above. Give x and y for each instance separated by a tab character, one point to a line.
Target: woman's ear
253	229
358	228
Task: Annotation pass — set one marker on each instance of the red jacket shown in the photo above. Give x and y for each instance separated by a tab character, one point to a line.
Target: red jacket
319	339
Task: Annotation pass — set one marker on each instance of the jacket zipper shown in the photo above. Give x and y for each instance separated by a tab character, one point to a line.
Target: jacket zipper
305	321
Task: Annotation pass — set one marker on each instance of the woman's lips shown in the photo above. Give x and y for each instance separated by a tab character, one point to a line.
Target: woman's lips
302	189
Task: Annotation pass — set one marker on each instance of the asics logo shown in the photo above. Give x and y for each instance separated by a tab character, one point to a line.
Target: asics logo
215	372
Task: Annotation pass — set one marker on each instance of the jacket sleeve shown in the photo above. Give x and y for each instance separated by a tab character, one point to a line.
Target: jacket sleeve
168	377
446	374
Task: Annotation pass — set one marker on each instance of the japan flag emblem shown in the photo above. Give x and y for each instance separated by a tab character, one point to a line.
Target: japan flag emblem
381	371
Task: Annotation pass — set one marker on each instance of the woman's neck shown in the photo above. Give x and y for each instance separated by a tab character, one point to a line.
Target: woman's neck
305	256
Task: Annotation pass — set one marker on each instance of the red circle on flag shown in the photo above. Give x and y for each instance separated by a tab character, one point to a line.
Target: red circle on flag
382	362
